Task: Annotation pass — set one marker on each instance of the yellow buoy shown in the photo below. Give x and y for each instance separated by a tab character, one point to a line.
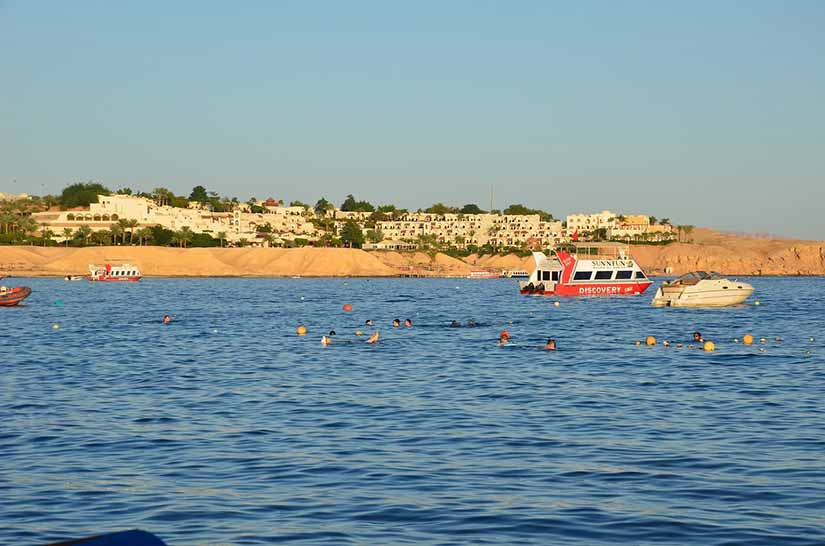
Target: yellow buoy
359	333
637	343
747	339
756	302
301	330
55	326
762	340
650	340
709	346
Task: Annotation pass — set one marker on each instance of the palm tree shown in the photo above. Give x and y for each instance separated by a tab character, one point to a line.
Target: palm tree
183	236
688	229
102	237
67	235
116	230
131	224
221	237
144	234
47	234
83	233
123	224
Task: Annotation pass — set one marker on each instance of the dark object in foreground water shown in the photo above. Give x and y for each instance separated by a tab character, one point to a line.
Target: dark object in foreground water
13	296
121	538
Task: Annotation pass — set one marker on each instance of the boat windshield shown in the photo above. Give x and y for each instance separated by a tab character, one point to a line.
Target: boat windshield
695	276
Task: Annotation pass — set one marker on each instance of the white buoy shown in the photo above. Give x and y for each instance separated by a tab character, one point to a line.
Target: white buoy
557	304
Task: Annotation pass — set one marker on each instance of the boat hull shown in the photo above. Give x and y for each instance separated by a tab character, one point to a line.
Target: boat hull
114	279
710	298
592	289
14	296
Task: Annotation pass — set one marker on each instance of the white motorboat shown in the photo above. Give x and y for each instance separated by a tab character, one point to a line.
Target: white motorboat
701	289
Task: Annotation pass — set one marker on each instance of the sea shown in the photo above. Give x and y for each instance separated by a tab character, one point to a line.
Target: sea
224	427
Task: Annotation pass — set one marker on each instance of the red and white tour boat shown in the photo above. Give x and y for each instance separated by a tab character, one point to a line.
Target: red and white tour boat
586	269
114	273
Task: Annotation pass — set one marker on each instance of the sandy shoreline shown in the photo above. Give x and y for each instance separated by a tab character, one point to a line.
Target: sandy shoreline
729	255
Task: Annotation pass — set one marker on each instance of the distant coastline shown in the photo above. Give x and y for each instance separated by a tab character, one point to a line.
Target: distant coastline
712	251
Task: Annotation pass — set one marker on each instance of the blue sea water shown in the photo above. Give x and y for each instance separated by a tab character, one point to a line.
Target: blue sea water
224	427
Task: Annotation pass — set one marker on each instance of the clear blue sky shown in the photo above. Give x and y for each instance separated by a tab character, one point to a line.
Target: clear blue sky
710	113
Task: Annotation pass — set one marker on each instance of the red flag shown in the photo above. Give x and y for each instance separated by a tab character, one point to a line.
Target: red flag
576	235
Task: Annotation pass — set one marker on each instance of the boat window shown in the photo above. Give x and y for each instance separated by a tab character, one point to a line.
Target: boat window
624	274
582	276
640	275
604	275
556	276
545	275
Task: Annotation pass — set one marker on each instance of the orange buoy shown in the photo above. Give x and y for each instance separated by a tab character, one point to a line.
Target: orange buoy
650	340
747	339
301	330
347	307
709	346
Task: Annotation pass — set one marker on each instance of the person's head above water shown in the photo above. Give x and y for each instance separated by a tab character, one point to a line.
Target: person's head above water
396	322
167	319
368	322
407	323
332	332
697	336
551	344
455	324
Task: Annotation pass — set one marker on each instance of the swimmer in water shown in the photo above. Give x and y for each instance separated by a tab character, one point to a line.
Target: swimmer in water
326	340
374	337
455	324
407	323
368	322
697	337
503	338
471	323
167	319
551	344
331	333
396	323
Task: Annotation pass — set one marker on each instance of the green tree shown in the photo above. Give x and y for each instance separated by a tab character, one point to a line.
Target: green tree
322	206
102	237
123	224
471	209
665	221
199	194
351	205
183	236
67	235
522	210
351	234
440	209
162	236
221	237
131	224
427	241
46	234
299	204
115	230
82	233
652	220
82	194
144	235
162	196
374	235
